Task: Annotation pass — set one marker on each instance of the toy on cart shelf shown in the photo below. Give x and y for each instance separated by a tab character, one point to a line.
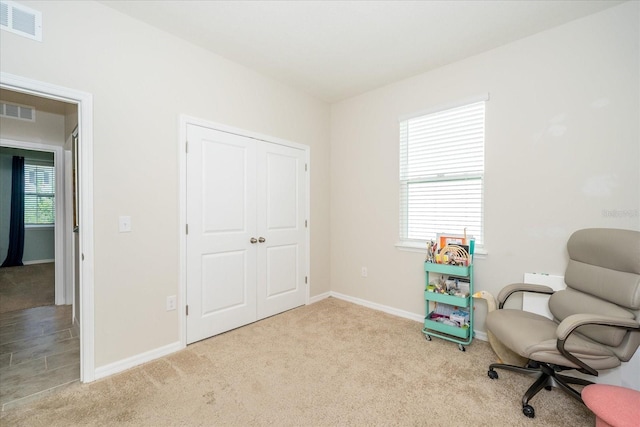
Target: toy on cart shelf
432	249
452	286
454	255
454	250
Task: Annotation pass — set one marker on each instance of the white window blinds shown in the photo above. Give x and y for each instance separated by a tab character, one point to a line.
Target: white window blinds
39	194
441	173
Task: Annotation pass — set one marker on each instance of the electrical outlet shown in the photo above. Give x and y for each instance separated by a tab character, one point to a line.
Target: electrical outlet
364	272
124	223
171	303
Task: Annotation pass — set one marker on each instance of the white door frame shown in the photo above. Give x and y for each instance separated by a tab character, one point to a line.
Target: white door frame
59	225
182	237
84	101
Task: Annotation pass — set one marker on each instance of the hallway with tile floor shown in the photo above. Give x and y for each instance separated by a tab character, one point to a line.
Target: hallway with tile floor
39	353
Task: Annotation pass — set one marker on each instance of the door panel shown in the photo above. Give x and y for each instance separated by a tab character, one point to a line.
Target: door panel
221	216
281	216
282	266
231	291
224	180
282	191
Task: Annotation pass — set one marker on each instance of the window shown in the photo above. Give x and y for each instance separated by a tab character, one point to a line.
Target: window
442	173
39	194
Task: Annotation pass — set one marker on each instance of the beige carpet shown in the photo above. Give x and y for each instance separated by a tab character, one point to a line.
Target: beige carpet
27	286
326	364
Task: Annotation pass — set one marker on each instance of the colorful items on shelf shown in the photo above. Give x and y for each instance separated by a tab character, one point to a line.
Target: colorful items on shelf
455	250
452	286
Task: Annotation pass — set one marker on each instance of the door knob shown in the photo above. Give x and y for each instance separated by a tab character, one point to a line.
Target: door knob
253	240
262	240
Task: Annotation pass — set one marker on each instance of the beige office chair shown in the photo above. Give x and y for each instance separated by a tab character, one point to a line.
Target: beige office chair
595	323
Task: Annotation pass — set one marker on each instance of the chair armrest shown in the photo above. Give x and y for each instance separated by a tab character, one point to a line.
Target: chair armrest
571	323
508	290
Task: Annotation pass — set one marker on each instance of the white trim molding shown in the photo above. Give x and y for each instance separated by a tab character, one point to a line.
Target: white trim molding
318	298
380	307
40	261
138	359
481	335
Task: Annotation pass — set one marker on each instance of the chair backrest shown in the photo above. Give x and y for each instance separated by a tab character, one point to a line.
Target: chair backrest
603	277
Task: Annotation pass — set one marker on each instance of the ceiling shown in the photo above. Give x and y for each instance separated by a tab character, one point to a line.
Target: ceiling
338	49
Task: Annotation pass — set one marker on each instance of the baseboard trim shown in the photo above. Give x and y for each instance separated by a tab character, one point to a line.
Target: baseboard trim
38	261
380	307
482	336
315	299
138	359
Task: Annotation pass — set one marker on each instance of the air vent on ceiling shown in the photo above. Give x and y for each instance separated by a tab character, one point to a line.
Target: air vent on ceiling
17	111
21	20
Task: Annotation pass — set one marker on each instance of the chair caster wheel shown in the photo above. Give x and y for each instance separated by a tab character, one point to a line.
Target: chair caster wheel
427	337
461	347
493	375
528	411
548	388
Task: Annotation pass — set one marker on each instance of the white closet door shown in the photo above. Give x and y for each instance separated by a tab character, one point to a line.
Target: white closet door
281	223
221	216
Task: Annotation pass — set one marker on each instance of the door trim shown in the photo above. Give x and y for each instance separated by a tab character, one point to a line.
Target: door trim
186	120
84	101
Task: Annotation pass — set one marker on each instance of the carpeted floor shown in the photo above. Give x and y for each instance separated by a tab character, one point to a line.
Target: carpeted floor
27	286
326	364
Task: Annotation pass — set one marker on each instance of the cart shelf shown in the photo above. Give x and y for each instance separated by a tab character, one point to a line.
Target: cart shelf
463	335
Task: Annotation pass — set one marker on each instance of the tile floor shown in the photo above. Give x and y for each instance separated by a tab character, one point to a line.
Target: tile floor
39	352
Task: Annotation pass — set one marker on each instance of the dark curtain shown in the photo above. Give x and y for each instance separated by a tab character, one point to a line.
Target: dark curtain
16	226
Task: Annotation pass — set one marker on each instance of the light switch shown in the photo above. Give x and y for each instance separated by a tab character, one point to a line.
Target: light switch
125	224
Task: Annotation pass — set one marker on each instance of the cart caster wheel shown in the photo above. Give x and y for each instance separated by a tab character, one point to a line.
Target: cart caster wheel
528	411
461	347
427	337
492	374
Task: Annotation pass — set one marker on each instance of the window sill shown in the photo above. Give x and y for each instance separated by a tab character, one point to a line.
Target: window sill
38	226
422	248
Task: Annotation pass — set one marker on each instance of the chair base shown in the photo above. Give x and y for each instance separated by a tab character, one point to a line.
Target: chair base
548	378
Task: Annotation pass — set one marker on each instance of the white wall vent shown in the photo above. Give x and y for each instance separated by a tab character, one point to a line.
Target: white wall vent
17	111
21	20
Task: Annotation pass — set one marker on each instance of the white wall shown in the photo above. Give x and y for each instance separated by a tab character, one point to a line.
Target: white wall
142	79
39	245
562	153
48	128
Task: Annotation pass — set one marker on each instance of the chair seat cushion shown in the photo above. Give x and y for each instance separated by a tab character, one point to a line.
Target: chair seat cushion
534	336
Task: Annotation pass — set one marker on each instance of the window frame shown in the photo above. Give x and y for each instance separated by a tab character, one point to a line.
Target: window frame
418	245
52	195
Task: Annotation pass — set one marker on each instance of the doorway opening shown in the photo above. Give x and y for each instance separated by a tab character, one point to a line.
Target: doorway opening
38	312
81	213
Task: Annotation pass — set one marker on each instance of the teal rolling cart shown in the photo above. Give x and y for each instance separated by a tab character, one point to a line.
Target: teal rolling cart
439	325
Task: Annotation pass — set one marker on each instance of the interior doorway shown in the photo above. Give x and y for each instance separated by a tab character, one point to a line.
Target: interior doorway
84	301
38	314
